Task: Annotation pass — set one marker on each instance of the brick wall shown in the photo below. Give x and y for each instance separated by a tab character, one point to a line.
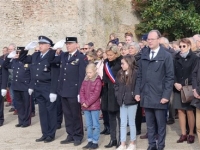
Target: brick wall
90	20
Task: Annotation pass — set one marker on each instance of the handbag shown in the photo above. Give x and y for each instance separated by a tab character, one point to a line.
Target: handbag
187	93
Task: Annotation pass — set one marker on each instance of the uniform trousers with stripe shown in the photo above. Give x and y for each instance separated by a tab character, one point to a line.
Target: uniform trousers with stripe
73	118
47	110
23	106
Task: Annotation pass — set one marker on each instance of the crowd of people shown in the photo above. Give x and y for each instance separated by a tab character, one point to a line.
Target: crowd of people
120	84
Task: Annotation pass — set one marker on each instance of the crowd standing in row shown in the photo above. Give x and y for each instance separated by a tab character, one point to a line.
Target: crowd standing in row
123	81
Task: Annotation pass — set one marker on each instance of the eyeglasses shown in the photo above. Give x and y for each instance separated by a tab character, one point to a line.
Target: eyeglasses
151	39
182	46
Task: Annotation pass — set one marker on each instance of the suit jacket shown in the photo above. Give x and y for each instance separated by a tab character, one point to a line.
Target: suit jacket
155	79
72	72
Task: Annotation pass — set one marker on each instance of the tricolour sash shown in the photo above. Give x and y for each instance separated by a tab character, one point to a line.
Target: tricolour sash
109	72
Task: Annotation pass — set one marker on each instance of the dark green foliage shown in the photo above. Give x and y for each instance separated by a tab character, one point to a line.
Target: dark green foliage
173	18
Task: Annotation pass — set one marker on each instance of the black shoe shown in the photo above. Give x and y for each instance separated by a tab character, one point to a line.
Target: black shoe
58	126
138	132
77	143
118	144
104	130
24	126
152	148
18	125
89	144
94	146
40	139
1	124
170	122
67	141
48	140
107	132
128	133
111	144
12	109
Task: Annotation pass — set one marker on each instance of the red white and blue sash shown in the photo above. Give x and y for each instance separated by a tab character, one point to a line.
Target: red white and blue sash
109	72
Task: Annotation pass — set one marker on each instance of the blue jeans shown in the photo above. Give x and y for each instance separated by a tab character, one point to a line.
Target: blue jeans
128	113
93	125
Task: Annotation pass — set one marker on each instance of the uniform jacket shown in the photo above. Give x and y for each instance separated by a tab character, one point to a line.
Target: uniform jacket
184	67
125	93
90	93
72	72
42	71
155	79
109	101
3	74
21	74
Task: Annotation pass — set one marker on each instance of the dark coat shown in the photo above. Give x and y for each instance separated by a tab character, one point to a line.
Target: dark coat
109	101
155	79
184	67
90	93
125	93
196	83
42	71
72	72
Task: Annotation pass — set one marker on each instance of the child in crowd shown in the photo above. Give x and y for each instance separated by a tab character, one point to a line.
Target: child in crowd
92	57
124	88
90	102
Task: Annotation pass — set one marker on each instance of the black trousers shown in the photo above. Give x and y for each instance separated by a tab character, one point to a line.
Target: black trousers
23	106
138	118
59	110
1	109
105	118
114	118
156	121
73	118
47	110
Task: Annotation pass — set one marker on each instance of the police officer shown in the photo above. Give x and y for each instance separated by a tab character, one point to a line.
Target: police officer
20	85
3	85
72	72
43	84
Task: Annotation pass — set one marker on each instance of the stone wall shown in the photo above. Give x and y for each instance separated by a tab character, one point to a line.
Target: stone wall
90	20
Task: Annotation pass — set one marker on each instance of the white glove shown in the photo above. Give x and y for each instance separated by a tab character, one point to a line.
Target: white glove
30	91
78	98
31	45
3	92
52	97
12	54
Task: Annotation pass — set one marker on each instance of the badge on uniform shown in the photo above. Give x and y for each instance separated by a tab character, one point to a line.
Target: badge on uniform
75	62
45	68
26	66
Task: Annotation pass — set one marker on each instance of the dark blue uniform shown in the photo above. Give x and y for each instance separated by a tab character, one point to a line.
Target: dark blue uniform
43	82
72	73
20	85
3	85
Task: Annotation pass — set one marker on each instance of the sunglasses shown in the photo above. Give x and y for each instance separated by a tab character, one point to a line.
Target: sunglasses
183	46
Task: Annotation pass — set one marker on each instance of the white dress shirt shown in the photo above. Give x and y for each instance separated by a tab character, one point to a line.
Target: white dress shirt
155	52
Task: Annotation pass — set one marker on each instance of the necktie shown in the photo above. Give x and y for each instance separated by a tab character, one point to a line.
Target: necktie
70	55
41	56
152	54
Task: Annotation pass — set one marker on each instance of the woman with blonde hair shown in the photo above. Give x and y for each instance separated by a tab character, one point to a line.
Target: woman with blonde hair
108	102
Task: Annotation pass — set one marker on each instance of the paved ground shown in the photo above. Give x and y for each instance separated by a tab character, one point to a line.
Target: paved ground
12	138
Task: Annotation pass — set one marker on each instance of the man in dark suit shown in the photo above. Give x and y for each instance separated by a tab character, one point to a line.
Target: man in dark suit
153	88
72	73
44	85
